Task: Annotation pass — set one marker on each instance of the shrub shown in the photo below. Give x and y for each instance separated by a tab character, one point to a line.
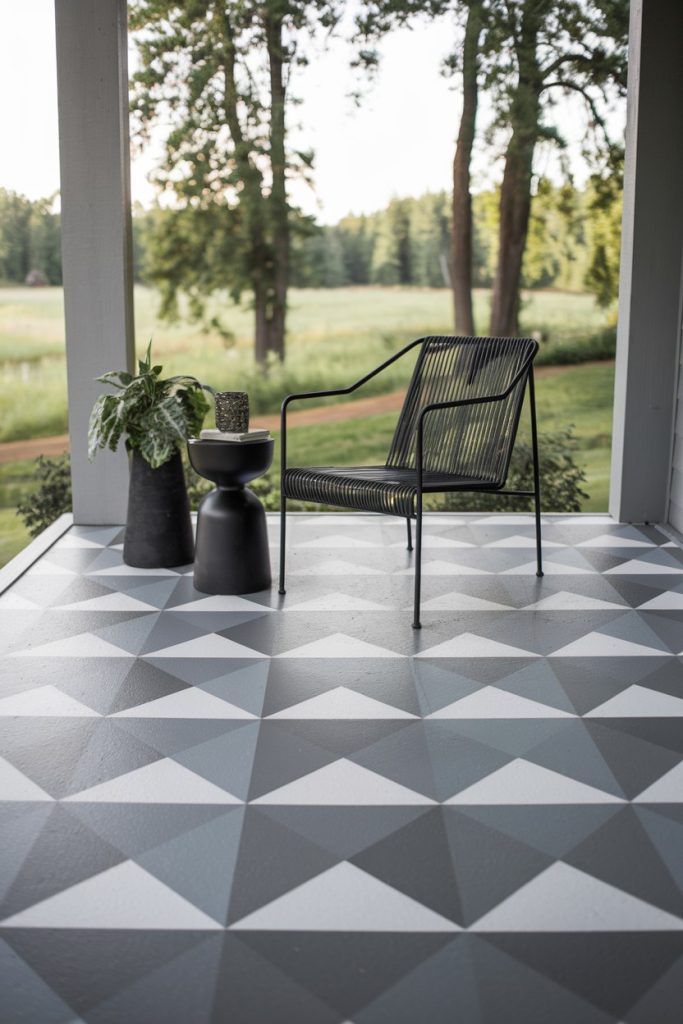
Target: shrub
51	498
561	480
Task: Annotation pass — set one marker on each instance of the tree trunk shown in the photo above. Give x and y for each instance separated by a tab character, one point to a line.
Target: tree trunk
515	195
462	197
279	209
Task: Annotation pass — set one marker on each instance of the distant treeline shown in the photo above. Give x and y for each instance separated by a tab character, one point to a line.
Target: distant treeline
573	243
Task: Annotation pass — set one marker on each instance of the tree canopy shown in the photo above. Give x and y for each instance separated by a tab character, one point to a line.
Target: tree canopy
218	71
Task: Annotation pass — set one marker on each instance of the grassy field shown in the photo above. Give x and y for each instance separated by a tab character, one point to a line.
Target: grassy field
335	336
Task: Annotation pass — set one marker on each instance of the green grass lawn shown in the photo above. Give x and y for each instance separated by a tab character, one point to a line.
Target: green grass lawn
336	335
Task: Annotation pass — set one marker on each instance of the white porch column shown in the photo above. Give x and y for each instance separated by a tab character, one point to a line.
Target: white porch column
97	260
652	248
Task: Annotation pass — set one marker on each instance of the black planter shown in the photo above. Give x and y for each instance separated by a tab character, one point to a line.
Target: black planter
159	530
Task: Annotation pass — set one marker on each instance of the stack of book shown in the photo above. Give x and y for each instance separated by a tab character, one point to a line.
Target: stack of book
223	435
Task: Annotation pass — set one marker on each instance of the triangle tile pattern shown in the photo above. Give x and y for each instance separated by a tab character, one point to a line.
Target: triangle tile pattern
253	809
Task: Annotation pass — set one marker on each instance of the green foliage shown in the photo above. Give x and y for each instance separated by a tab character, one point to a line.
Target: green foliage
51	495
219	76
29	239
561	479
156	416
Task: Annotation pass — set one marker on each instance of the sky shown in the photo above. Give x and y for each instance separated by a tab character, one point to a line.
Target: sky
399	142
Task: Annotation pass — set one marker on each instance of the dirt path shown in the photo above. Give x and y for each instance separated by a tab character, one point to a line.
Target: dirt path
18	451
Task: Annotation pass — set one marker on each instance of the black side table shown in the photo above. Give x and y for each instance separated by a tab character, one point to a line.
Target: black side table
231	552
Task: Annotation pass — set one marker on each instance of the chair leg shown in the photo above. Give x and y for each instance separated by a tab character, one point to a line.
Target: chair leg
283	531
410	535
537	475
418	561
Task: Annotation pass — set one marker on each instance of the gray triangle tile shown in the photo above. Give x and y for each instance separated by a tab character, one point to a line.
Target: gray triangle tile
244	687
344	831
272	860
226	760
612	972
345	971
554	830
278	995
424	757
200	864
24	996
643	873
73	854
135	828
454	878
86	966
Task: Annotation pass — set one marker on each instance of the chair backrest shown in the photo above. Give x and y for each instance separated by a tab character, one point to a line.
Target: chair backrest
469	441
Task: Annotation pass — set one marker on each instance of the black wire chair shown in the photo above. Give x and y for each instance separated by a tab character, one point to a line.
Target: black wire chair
456	432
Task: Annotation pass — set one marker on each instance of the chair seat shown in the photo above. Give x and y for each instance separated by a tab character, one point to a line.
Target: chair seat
384	489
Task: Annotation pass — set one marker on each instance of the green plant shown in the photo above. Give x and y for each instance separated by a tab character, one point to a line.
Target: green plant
52	495
561	480
156	416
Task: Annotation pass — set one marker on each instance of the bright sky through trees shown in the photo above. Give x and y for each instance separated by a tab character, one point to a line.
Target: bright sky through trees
400	140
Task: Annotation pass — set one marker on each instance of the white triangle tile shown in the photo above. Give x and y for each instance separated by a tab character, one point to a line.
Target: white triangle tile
490	702
639	702
455	602
600	645
521	782
114	602
344	784
73	541
670	600
47	568
125	896
212	645
441	568
500	519
14	785
130	570
470	645
221	603
336	567
83	645
336	602
339	645
338	540
44	702
190	703
613	540
434	542
519	541
636	567
161	782
666	790
11	601
549	569
604	520
564	601
342	704
345	899
564	899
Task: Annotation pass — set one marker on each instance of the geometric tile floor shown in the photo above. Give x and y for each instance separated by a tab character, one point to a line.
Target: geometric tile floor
265	811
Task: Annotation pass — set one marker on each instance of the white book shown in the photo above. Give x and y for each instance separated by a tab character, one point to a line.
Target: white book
222	435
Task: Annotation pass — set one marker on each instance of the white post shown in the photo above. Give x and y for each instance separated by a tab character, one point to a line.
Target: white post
97	259
652	249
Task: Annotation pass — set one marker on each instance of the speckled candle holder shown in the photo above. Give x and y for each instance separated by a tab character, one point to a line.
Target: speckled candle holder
232	411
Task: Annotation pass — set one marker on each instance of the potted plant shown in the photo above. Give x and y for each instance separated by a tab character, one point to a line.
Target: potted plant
155	417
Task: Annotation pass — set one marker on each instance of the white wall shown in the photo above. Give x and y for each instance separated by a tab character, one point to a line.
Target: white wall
652	248
92	82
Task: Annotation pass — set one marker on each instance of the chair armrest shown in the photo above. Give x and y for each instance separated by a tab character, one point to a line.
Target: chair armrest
333	391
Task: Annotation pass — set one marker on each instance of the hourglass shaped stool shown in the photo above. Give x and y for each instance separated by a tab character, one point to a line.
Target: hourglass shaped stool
231	551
